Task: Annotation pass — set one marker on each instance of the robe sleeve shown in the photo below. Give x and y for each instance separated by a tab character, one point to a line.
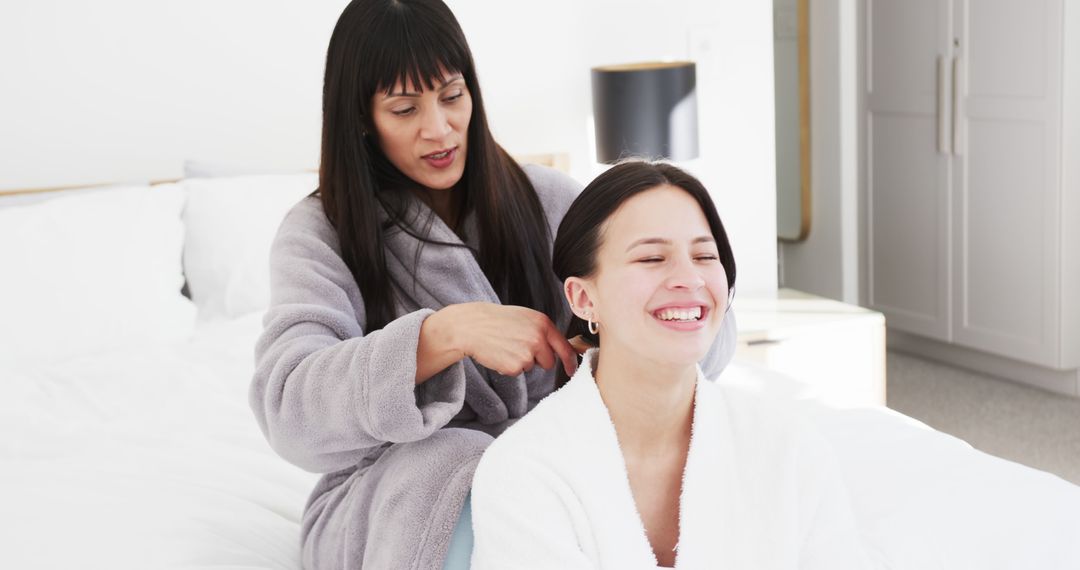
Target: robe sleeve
325	394
521	518
831	538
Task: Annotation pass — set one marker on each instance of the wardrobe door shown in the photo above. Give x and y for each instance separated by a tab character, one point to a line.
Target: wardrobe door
907	158
1007	178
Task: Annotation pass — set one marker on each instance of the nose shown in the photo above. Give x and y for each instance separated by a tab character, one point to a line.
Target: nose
685	275
434	124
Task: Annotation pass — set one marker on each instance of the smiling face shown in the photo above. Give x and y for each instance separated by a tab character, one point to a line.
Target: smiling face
424	133
659	290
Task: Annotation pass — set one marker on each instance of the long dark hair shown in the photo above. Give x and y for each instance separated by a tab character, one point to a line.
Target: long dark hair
375	45
579	236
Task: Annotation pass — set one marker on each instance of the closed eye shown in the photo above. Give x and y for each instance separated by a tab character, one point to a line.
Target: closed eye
403	112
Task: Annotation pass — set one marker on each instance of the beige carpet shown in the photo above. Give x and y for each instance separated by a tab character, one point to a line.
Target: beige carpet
1002	418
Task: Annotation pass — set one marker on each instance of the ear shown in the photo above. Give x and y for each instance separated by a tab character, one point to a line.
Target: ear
578	293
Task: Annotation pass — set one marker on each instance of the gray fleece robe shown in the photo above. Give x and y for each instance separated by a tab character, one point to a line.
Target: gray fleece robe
331	398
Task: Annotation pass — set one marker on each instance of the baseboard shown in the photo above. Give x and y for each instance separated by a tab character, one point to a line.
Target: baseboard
1065	382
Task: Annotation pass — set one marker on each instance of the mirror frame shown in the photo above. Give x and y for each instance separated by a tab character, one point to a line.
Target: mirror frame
803	23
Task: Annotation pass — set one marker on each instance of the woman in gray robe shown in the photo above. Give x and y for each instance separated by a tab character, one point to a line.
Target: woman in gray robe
414	313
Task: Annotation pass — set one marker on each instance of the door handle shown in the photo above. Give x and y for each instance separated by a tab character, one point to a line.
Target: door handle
943	139
956	106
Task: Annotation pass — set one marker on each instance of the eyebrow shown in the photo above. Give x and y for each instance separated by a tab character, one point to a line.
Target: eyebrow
442	84
662	241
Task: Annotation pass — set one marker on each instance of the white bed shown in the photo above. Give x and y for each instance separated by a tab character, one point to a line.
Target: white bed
129	442
146	459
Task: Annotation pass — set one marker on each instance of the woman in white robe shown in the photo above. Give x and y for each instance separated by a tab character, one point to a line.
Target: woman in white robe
639	461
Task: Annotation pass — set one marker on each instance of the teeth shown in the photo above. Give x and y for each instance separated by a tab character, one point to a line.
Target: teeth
680	314
439	155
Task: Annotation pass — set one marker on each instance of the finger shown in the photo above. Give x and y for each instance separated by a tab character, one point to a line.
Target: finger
579	344
545	357
519	370
566	353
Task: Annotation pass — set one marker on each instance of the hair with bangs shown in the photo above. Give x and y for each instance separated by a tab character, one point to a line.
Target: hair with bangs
580	233
376	45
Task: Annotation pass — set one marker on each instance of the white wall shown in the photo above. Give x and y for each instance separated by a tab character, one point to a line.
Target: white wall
538	98
827	263
120	90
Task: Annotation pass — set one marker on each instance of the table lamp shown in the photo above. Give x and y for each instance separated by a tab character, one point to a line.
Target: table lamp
645	110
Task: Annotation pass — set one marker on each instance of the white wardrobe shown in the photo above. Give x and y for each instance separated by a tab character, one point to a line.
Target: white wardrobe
971	172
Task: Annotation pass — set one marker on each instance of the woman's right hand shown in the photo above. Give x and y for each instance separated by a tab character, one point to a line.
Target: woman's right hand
504	338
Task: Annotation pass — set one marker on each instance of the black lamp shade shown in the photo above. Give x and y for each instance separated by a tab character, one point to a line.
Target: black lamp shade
646	110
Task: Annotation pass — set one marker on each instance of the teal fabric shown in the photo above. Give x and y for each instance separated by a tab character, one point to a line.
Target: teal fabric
461	542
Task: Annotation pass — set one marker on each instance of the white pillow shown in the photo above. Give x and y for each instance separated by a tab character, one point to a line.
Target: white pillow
92	271
230	224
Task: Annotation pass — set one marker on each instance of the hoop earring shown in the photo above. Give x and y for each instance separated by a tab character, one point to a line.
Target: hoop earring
593	327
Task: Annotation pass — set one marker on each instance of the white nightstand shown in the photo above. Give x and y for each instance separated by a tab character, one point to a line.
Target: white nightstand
836	348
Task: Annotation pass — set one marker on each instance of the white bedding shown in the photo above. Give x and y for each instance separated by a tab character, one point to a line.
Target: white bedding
145	459
152	459
927	500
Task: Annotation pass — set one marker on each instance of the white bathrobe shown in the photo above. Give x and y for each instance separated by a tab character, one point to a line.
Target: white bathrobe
760	490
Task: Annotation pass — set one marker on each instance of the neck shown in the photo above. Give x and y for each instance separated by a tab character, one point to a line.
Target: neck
651	403
443	202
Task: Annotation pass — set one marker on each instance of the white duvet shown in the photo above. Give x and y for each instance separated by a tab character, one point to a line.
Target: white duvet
146	459
152	459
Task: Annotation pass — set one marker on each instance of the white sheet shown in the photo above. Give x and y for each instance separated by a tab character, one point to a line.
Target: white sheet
152	459
927	500
147	459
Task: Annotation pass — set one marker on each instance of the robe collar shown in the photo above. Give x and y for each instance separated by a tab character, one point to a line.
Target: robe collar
707	503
